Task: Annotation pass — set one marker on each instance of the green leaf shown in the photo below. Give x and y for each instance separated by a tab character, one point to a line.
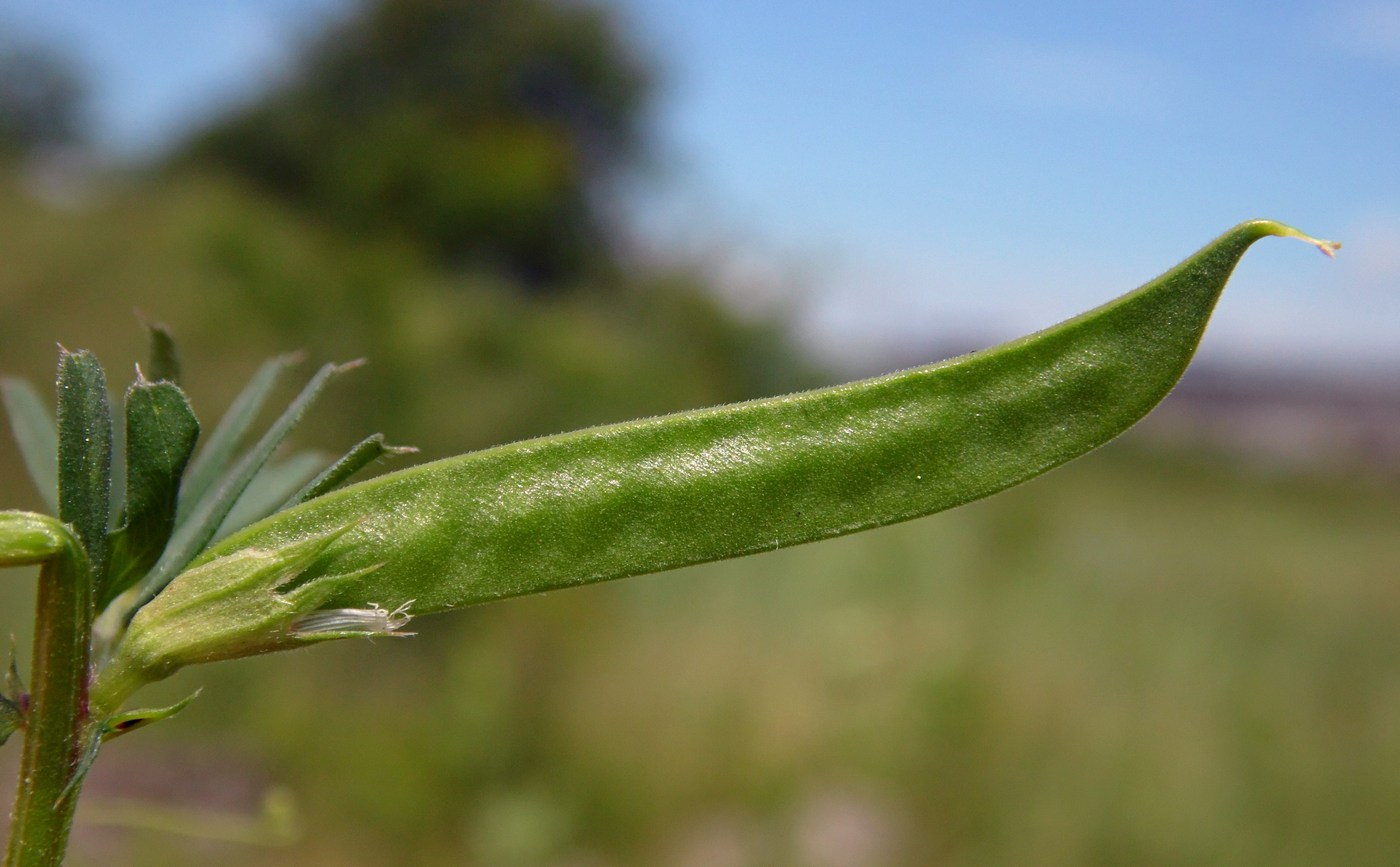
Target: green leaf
270	488
206	517
697	486
161	430
85	452
36	435
86	756
366	452
217	454
132	720
165	360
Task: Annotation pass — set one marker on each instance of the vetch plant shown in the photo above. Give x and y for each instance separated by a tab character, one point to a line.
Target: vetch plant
158	555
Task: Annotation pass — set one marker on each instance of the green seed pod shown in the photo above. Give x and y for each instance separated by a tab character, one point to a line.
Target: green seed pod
665	492
659	493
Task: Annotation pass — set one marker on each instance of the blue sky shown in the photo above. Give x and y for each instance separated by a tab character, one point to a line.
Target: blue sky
903	173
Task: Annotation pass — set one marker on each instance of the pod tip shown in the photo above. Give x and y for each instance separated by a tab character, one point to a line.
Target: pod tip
1330	248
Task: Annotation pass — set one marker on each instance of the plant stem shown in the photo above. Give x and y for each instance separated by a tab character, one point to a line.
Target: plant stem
58	729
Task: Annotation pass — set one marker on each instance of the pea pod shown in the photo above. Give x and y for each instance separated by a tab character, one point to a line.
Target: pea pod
665	492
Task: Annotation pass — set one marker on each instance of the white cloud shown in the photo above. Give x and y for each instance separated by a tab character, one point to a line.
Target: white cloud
1046	76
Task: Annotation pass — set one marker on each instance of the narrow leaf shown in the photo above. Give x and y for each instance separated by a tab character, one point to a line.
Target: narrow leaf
132	720
36	434
209	513
697	486
161	430
217	454
270	488
84	452
366	452
86	758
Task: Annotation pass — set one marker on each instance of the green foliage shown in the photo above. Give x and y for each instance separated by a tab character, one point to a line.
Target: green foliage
85	453
366	452
207	514
241	278
161	430
223	444
484	132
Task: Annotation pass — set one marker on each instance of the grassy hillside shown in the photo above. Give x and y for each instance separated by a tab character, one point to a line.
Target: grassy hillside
457	360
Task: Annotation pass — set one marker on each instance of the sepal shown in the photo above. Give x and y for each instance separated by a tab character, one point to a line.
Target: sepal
244	604
12	717
130	721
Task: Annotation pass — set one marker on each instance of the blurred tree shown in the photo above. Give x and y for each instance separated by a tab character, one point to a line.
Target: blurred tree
486	132
41	97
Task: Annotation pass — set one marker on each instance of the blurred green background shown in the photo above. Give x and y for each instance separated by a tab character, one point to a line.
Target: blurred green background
1158	655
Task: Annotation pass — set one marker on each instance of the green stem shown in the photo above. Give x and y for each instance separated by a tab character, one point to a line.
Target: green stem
58	730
